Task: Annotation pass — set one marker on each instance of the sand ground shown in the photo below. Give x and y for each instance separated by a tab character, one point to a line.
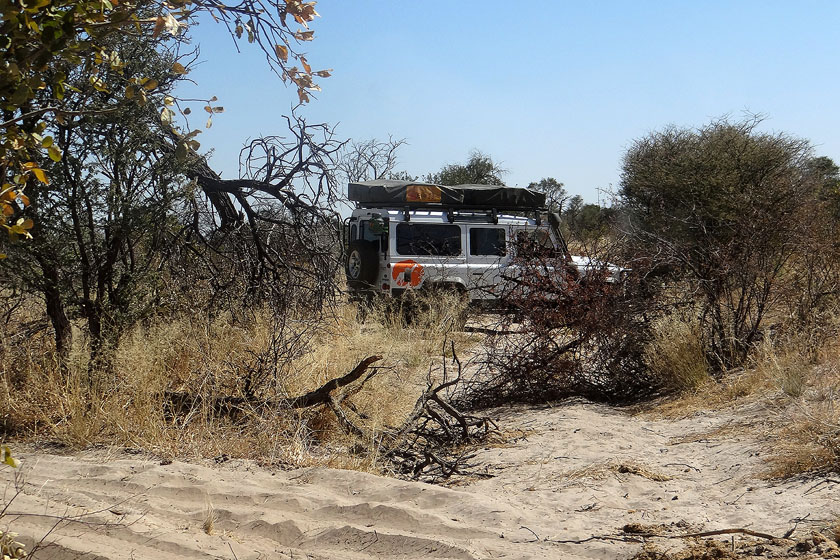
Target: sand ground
562	473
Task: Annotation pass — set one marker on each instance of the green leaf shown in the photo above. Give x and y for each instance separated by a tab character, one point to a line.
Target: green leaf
181	151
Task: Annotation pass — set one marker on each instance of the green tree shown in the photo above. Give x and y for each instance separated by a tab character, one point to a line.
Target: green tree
105	223
723	206
480	169
554	190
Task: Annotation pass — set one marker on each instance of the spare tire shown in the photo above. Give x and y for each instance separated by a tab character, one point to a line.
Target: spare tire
362	264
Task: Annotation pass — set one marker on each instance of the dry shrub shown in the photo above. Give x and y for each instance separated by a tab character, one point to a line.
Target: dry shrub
677	355
565	335
207	358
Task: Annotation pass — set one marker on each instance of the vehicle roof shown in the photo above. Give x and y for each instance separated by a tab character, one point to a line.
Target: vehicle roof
439	216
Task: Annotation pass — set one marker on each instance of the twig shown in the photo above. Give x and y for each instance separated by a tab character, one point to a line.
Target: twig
530	531
681	465
712	533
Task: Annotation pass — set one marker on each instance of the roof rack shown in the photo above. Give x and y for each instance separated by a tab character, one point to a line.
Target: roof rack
385	193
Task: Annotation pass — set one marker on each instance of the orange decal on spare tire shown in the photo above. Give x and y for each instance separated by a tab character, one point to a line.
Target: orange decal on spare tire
408	268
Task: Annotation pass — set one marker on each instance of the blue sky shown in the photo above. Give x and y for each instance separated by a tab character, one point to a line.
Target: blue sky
549	89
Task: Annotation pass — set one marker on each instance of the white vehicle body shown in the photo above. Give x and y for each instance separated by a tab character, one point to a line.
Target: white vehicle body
469	253
391	250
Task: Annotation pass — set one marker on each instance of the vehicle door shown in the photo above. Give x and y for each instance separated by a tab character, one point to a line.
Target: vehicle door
424	252
487	256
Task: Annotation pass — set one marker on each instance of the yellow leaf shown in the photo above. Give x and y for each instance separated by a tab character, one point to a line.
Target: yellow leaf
40	175
8	459
7	209
150	84
179	68
166	115
168	100
209	122
24	199
306	67
282	52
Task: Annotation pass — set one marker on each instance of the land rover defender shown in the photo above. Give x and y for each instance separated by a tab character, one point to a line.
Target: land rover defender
409	235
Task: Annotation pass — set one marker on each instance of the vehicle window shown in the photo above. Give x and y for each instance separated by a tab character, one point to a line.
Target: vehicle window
487	241
428	239
366	232
535	242
353	232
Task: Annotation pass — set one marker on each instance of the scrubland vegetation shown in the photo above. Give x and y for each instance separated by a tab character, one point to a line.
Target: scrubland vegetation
148	303
193	340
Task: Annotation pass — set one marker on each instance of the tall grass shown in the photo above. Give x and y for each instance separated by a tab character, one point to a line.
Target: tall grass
131	405
676	355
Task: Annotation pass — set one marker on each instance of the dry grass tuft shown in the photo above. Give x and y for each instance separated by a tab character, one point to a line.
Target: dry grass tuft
599	471
640	470
804	426
736	388
676	356
209	523
785	366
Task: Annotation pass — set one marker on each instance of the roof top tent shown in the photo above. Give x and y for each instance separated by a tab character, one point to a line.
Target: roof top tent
402	194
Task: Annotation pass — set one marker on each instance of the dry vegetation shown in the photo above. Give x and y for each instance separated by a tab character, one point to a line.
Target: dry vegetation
132	406
793	381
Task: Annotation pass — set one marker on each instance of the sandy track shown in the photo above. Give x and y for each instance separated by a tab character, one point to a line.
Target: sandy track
577	470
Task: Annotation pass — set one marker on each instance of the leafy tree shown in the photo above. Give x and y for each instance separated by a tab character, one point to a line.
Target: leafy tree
480	169
106	221
554	190
723	207
588	222
573	208
44	42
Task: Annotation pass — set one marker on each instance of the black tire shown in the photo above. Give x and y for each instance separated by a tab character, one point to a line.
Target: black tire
362	264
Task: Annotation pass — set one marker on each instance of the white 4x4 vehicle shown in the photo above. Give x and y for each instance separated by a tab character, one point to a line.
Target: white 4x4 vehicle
405	236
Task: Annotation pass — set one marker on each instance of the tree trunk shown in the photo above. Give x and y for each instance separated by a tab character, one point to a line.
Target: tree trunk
55	311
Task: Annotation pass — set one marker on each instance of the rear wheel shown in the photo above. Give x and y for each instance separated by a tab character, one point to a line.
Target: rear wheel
362	264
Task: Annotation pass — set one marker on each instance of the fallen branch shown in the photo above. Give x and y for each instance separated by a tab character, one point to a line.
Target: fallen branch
426	445
723	532
322	396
